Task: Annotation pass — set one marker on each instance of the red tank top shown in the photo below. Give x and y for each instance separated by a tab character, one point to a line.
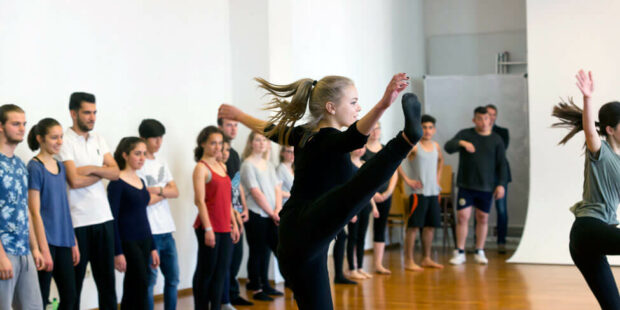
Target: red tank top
218	198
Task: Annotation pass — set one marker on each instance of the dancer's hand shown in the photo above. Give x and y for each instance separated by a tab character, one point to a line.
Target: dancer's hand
375	213
47	261
155	259
39	262
499	192
398	83
75	254
210	238
585	83
245	215
6	268
378	198
276	218
120	263
415	184
227	111
468	146
354	219
234	233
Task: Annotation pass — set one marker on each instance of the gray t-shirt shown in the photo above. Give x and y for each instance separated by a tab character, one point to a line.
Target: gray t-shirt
424	169
601	186
286	177
265	180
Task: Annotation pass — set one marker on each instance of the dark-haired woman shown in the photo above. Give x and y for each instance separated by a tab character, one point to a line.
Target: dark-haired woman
51	218
594	233
325	196
214	224
133	241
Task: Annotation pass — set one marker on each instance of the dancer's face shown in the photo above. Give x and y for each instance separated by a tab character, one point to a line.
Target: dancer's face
347	109
359	152
52	141
135	158
213	146
492	115
288	154
86	116
375	134
482	122
259	144
428	130
229	128
153	144
14	128
613	133
225	152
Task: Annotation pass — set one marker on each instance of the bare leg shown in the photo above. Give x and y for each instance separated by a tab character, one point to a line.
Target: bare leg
409	249
379	248
427	242
482	227
461	226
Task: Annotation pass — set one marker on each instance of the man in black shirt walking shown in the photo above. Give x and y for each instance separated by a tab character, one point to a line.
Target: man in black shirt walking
481	177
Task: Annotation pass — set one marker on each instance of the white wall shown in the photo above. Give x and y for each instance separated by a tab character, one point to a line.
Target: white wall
160	59
464	36
562	38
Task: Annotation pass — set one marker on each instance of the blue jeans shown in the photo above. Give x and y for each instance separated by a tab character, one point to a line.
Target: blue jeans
502	218
169	265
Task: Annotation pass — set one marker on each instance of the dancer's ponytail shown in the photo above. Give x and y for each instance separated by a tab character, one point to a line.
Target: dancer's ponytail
571	117
304	92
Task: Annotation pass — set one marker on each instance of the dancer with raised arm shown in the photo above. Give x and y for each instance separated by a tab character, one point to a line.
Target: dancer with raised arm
321	203
594	233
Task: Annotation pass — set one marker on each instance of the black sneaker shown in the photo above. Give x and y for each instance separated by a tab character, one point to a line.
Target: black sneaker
262	296
272	291
240	301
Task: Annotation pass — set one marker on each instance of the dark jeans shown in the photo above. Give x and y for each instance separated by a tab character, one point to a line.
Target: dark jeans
357	238
502	218
169	265
211	269
339	248
64	276
306	229
96	243
379	224
262	237
231	285
590	241
136	282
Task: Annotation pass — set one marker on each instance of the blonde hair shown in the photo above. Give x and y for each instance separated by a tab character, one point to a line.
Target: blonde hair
247	150
304	92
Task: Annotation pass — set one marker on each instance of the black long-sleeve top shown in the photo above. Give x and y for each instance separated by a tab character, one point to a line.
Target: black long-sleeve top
322	160
128	206
484	169
503	132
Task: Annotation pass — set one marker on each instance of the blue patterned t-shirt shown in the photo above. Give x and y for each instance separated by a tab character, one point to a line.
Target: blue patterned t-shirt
236	192
14	231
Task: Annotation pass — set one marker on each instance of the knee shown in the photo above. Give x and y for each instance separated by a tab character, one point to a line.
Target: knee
482	218
462	218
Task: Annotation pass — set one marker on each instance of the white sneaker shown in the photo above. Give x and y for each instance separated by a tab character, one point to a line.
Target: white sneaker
480	258
228	307
457	258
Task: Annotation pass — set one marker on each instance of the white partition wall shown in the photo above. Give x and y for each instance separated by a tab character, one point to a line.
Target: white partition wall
563	36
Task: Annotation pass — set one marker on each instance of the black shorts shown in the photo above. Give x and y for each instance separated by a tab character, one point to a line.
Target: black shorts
424	211
479	199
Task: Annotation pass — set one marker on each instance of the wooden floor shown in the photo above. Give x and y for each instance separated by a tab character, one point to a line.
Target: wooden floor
497	286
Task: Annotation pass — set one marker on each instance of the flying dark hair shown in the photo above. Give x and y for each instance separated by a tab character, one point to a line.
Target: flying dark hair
151	128
203	136
571	117
428	119
40	129
125	146
76	99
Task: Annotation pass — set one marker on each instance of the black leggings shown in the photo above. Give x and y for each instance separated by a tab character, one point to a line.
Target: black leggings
380	223
339	247
96	244
136	282
212	268
590	241
307	229
357	239
64	276
262	237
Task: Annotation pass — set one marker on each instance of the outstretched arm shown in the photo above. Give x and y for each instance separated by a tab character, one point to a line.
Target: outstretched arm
227	111
586	86
398	83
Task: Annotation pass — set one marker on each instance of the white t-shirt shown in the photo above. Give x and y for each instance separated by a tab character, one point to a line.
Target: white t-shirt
89	205
155	172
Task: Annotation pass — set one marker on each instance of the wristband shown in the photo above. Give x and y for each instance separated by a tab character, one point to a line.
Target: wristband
161	191
209	229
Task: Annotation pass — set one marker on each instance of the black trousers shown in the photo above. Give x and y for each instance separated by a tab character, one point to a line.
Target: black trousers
357	238
136	282
306	230
379	224
339	248
262	237
235	264
64	276
211	269
590	241
96	244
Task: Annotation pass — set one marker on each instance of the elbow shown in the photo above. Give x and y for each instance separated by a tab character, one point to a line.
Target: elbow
72	183
115	175
174	194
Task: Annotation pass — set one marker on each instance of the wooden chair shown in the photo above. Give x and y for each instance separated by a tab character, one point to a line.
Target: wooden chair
397	219
447	199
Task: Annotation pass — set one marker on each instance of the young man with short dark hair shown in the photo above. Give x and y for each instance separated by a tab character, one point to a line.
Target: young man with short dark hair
481	175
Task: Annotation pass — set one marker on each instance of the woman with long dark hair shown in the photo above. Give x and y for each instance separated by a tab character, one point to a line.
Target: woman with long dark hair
595	233
325	196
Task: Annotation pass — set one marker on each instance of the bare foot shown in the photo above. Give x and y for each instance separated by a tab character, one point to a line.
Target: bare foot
429	263
356	275
412	266
382	270
364	273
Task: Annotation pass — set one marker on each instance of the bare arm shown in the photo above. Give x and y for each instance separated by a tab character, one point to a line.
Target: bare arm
227	111
199	176
586	85
261	200
398	83
439	162
278	198
391	186
109	170
34	206
34	248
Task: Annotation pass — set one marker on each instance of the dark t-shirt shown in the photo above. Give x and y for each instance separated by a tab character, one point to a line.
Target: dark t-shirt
484	169
503	132
233	164
128	206
322	160
367	156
